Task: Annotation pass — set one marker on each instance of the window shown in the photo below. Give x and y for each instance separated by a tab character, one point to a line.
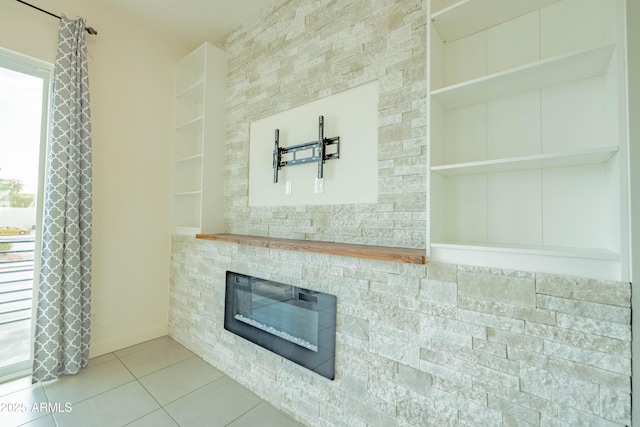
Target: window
24	100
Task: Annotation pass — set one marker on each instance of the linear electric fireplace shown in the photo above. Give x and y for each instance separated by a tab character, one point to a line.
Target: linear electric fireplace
293	322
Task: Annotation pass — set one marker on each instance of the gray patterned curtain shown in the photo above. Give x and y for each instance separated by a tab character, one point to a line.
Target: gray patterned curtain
63	314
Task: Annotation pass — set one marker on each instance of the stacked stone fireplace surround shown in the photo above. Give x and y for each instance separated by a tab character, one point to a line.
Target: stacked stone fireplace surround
416	345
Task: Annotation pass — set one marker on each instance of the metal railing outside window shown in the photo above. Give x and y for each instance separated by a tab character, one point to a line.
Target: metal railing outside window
16	297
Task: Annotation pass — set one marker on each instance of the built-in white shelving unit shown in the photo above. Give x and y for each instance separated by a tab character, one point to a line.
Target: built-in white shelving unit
528	135
198	167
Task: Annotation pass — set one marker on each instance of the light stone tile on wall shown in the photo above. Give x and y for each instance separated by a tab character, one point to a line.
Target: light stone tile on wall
563	389
615	406
389	315
509	311
496	322
597	359
476	372
595	326
514	340
413	379
546	407
500	287
409	367
580	339
582	289
446	336
460	391
575	417
510	421
408	286
394	345
306	50
489	347
422	410
430	323
353	326
552	422
478	415
442	272
604	378
477	358
439	293
430	345
615	314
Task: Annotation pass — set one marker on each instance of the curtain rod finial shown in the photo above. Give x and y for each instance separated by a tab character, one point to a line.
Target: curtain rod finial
91	31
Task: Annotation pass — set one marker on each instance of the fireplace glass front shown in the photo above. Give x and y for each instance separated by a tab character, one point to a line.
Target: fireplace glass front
296	323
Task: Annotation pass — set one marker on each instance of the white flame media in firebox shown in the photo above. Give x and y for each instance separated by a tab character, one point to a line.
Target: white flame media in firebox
299	341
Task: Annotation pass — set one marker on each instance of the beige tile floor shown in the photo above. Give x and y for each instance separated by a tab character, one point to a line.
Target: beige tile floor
157	383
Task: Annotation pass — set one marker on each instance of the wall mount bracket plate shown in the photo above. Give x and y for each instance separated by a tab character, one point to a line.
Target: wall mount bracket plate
314	151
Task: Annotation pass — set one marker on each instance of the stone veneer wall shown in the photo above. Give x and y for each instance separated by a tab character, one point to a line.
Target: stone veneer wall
298	51
416	345
430	345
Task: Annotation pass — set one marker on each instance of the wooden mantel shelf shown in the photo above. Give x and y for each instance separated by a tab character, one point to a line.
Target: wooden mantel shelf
383	253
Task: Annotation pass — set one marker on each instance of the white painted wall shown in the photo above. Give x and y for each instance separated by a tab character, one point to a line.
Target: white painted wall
353	178
131	77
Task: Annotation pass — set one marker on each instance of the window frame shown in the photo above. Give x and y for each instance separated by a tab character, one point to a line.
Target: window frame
41	69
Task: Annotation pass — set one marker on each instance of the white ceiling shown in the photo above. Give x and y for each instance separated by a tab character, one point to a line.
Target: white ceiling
188	22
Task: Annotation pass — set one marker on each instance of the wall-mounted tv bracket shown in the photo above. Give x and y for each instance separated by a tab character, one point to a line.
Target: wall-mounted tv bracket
316	151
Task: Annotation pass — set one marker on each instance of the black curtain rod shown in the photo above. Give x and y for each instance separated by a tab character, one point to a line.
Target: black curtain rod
89	30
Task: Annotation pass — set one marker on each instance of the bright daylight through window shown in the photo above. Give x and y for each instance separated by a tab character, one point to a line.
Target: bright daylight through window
22	108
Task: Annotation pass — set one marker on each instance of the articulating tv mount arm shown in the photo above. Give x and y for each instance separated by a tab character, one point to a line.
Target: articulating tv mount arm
316	149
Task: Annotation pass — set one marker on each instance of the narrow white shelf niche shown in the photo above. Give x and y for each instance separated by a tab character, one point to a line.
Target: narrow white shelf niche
198	169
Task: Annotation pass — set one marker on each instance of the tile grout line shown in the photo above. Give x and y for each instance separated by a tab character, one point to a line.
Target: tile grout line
193	391
162	341
112	358
95	395
153	372
157	370
161	406
246	412
47	401
143	387
135	379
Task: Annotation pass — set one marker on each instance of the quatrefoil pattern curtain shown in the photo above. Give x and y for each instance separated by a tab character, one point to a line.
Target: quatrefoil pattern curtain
63	314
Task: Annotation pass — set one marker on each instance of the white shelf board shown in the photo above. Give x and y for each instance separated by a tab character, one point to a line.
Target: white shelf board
195	158
592	263
470	16
194	93
565	68
192	126
604	254
582	157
